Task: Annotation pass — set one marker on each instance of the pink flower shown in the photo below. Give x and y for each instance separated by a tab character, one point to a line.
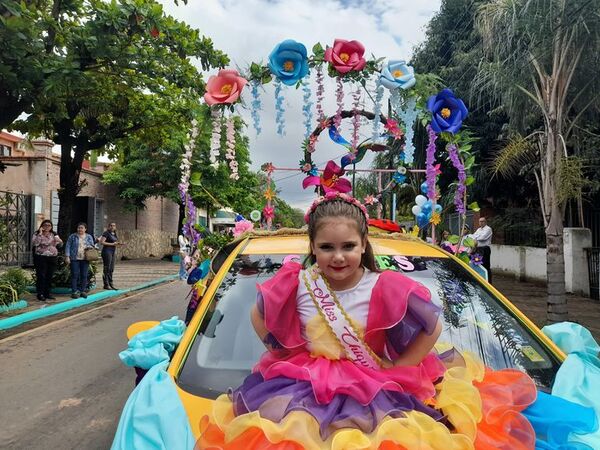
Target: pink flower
224	88
269	212
394	129
330	181
346	56
242	226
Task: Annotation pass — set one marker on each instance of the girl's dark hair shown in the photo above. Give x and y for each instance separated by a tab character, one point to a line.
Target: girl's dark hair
335	209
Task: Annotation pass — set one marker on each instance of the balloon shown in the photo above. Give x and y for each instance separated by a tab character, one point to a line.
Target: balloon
426	208
424	187
438	208
421	220
416	210
420	199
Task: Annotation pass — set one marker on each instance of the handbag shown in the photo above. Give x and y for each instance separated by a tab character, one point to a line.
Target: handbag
91	254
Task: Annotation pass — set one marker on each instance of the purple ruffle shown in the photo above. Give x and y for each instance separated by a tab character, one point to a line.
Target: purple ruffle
276	397
420	316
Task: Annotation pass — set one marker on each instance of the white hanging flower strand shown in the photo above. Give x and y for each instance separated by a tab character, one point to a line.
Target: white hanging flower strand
186	160
215	141
230	152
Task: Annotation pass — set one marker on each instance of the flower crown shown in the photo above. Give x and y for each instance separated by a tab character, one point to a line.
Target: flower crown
334	195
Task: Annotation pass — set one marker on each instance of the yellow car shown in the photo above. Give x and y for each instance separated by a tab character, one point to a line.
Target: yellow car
220	347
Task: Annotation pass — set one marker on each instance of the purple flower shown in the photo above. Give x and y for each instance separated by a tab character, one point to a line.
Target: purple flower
447	112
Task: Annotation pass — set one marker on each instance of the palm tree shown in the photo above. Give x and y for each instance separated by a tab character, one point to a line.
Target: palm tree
539	58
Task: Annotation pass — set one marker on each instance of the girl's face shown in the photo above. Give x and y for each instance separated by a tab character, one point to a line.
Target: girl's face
338	249
81	229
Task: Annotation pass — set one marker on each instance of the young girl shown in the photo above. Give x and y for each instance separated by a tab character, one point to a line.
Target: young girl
350	362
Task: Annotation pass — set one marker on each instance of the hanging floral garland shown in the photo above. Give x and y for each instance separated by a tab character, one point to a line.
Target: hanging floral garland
221	89
188	229
355	120
268	211
230	152
307	108
256	106
377	110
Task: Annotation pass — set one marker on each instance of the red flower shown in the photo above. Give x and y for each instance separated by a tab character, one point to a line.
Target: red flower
269	212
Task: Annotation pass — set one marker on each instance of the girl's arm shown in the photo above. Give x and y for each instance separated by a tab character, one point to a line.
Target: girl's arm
265	336
419	348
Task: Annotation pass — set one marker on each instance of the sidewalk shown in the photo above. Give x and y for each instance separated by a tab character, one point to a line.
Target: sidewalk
530	297
128	276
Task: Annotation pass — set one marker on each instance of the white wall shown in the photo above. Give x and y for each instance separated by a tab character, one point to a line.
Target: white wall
529	263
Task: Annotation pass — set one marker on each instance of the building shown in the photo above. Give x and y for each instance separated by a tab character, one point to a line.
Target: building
29	194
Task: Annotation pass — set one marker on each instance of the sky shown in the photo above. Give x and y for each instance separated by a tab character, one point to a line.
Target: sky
248	30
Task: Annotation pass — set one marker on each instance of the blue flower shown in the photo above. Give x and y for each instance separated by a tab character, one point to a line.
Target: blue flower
399	178
289	62
447	112
397	75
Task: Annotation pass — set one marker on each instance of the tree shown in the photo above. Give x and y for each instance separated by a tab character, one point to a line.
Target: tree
542	64
121	67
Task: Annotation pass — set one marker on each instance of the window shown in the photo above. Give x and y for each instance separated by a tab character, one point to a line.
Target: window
5	150
226	347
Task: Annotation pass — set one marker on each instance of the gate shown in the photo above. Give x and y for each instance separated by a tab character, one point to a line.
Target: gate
15	226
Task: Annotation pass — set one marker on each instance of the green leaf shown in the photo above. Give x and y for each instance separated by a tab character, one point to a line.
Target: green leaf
195	179
474	206
468	242
469	162
469	181
453	239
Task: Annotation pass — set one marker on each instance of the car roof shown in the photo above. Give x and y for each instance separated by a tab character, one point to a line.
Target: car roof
290	242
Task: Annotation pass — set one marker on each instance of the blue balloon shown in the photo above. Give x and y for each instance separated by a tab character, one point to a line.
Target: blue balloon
438	208
239	217
421	219
426	208
424	187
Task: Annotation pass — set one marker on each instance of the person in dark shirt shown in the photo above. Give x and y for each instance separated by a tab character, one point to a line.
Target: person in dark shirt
110	242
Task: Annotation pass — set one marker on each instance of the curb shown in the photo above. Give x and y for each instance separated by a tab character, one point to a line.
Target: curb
14	321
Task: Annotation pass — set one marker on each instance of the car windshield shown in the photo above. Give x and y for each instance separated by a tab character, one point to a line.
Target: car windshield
226	347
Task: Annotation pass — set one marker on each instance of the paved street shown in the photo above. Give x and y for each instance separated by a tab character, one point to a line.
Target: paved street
62	386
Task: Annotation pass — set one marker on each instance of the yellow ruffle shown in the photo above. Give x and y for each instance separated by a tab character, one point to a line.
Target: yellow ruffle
415	431
322	341
459	399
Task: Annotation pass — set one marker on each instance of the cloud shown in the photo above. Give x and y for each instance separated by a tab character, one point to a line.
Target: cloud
248	30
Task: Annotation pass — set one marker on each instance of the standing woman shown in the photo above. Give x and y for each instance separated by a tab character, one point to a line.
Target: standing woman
75	256
110	242
45	241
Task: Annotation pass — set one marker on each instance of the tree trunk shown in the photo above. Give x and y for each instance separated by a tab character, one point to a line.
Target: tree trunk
70	171
557	310
180	219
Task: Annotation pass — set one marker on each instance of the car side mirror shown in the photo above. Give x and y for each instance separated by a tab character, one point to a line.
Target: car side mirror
138	327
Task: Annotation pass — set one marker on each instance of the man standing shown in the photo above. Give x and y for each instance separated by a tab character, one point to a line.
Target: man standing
483	237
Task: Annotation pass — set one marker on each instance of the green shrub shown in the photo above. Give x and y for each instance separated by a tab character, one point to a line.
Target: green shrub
13	283
62	274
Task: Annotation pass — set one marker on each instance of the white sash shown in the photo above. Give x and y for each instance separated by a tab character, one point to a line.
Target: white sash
327	303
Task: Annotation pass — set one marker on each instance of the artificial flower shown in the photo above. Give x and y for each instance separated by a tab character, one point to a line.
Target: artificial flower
268	168
399	177
289	62
401	170
308	168
330	181
397	74
268	212
370	200
269	194
447	112
394	129
224	88
242	227
476	259
346	56
435	218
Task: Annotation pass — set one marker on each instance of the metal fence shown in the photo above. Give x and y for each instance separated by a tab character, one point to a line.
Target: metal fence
15	226
593	257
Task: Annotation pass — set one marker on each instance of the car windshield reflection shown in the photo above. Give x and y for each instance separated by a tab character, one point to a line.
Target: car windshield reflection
226	347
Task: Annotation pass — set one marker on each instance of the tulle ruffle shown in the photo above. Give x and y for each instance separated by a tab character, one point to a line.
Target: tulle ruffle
276	398
482	408
331	377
